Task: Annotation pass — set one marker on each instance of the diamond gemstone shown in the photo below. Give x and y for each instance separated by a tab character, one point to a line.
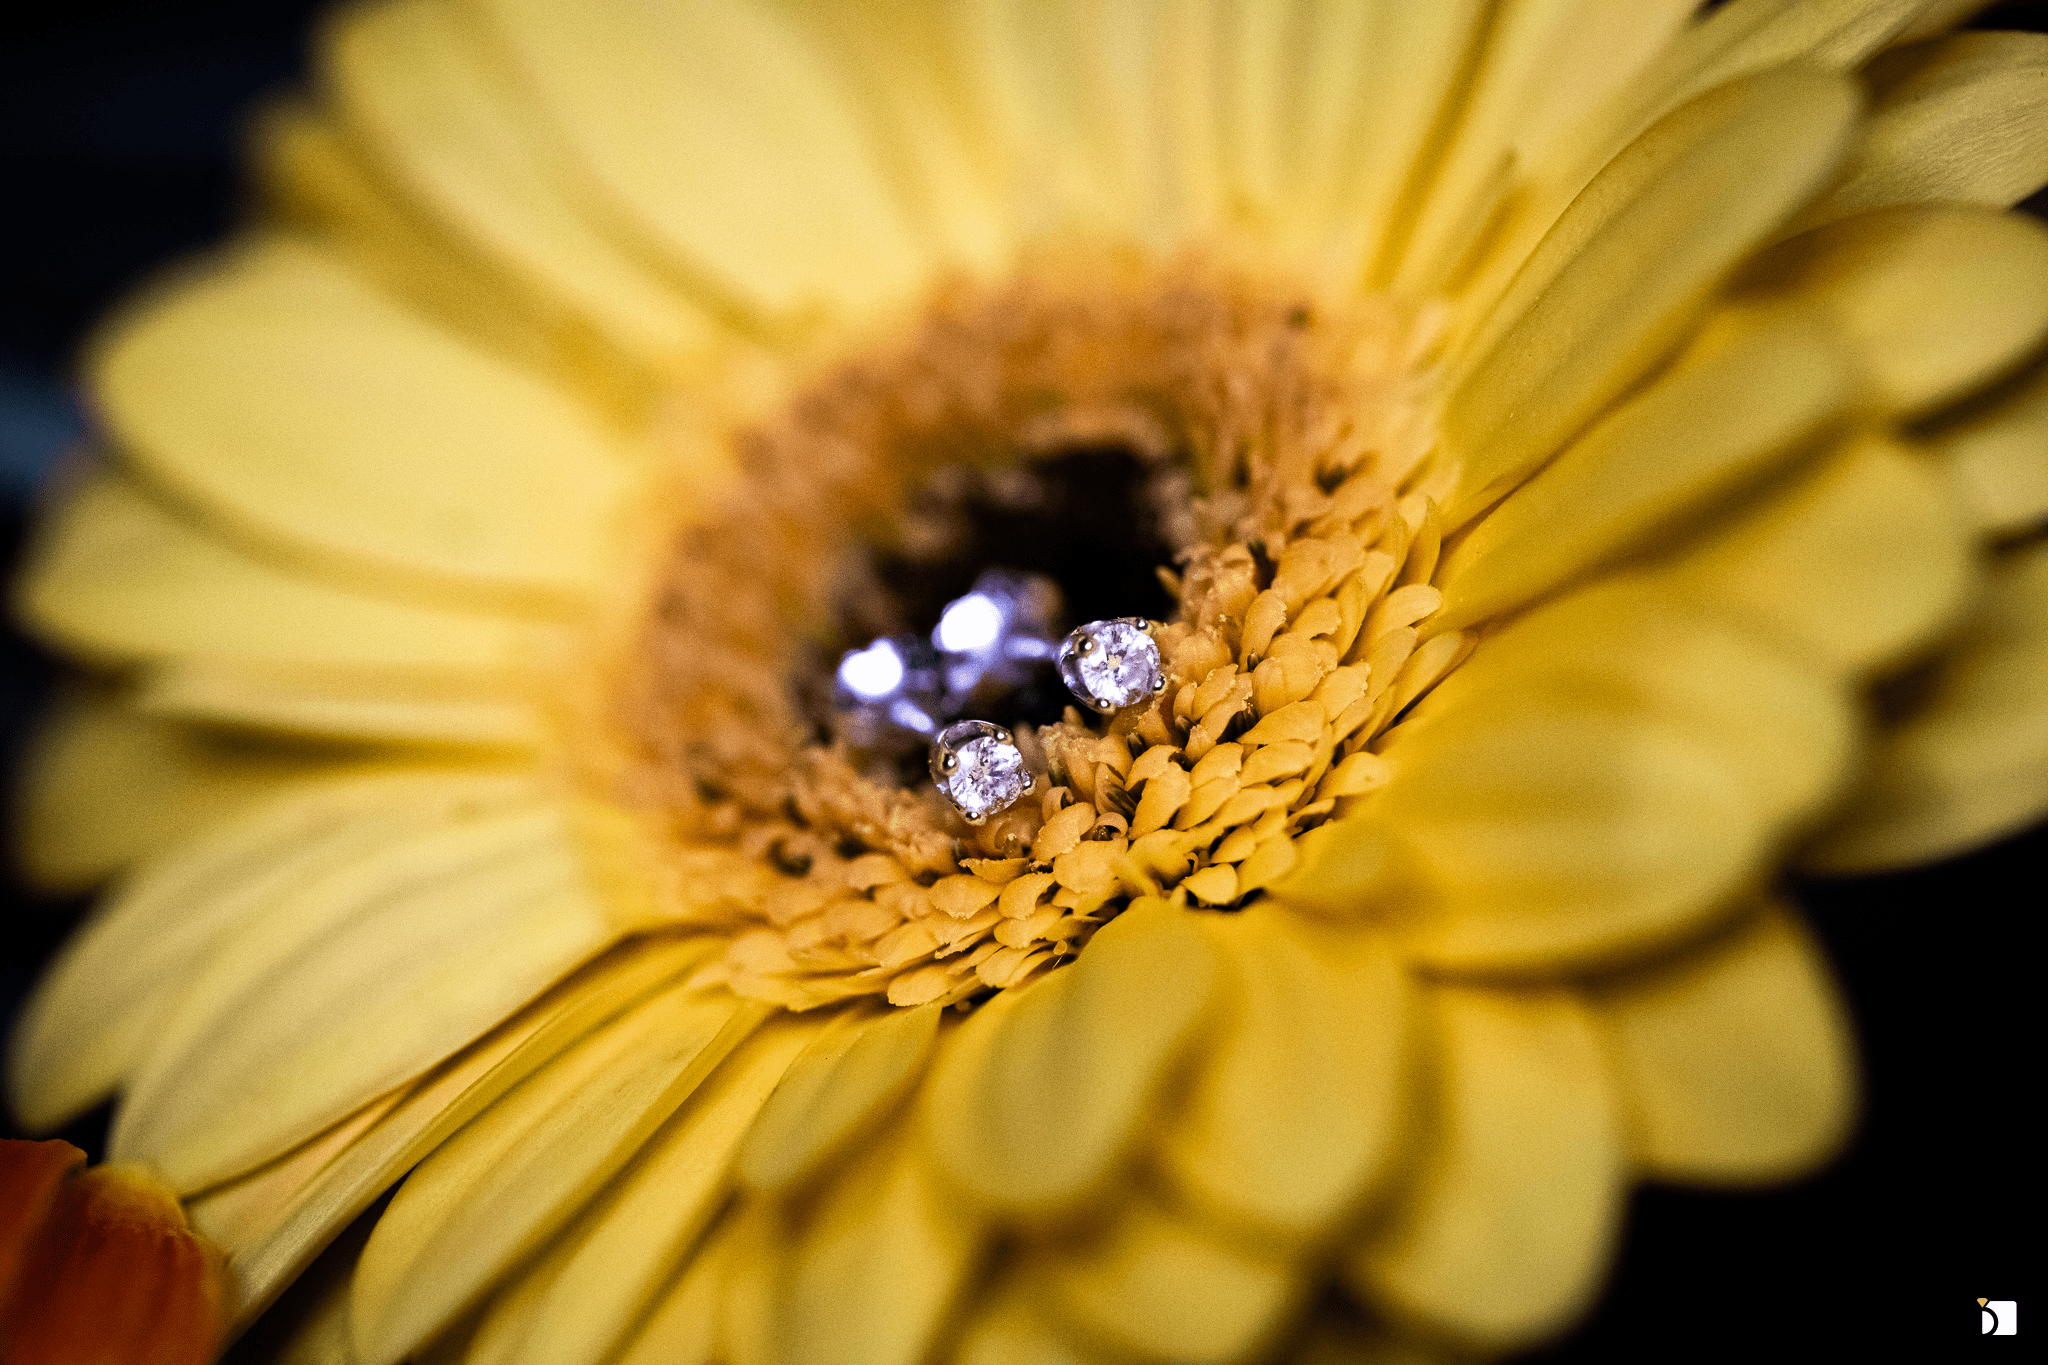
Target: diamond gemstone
1111	664
986	772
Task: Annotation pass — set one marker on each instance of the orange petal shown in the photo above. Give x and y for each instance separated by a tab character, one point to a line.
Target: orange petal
31	1173
112	1275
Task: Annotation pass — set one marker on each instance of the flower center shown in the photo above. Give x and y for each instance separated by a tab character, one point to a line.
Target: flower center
1220	455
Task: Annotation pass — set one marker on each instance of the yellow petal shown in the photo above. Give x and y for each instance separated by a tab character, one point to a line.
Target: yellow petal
1937	17
1542	68
1632	643
1996	456
874	1271
374	706
1751	35
1935	300
315	179
1065	100
1599	778
1858	561
609	1265
1738	402
351	982
1626	270
312	1327
102	1009
1734	1064
284	394
683	1325
1341	1337
902	62
1370	104
845	1080
1010	1327
1039	1094
274	1221
718	132
1960	120
239	1213
492	1193
1971	763
415	83
1736	40
116	577
1167	1289
1510	1223
757	1251
1294	1112
1181	71
172	781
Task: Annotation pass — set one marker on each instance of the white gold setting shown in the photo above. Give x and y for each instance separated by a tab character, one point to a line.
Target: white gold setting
1112	664
979	768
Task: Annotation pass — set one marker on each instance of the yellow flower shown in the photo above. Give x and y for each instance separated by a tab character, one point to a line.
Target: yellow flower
1598	454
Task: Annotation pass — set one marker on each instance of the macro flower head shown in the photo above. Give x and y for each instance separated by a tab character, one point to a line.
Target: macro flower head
1573	463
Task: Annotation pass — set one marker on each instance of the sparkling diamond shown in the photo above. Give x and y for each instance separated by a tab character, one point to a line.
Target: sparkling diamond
1112	664
979	768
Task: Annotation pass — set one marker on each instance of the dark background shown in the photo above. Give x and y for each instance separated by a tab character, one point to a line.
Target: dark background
119	144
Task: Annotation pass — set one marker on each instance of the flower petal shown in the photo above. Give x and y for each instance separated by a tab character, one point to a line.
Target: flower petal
31	1175
1295	1111
1043	1090
1372	100
903	63
1010	1327
378	707
1735	1064
1741	400
1997	456
113	1275
1732	42
292	399
833	1090
719	134
414	82
1166	1289
1957	121
119	578
1971	764
875	1269
274	1221
1542	69
1598	779
1750	35
493	1193
1510	1223
173	781
1064	89
355	981
1936	300
315	178
606	1268
1854	564
683	1324
311	1326
1627	268
102	1009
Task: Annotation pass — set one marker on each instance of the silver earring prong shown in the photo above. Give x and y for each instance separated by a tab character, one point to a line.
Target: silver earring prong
1113	664
978	767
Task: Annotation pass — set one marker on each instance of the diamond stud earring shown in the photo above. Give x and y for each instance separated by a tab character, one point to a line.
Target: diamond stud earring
1112	664
979	768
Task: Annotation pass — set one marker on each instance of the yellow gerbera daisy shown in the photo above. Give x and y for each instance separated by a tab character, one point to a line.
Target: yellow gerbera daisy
1581	456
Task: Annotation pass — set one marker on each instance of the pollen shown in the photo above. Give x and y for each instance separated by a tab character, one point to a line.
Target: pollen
1284	512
